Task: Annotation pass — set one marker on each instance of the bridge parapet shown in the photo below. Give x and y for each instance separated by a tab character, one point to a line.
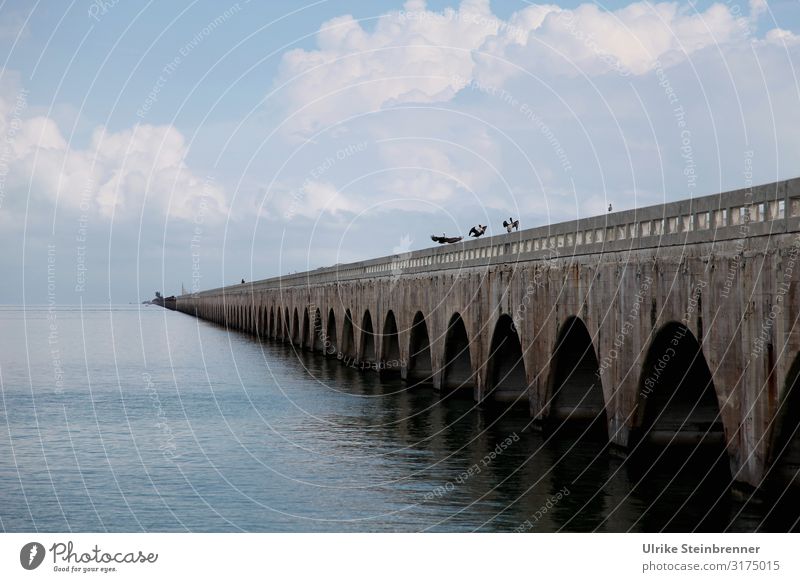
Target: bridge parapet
746	213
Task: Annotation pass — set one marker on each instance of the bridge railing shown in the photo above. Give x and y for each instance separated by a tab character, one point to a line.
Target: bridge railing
758	211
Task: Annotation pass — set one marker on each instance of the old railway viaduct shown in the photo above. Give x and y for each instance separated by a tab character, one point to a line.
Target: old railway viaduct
674	324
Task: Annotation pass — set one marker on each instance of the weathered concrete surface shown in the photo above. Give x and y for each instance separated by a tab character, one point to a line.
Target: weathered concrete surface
696	293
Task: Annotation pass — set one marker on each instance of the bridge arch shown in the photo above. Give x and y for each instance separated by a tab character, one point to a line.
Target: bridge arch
305	335
458	372
317	334
679	432
420	368
348	337
390	346
677	403
330	345
295	334
507	381
287	325
271	328
575	385
785	445
367	355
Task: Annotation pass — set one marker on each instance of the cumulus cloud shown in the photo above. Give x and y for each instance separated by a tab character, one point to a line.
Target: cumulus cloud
425	56
589	40
779	36
413	55
128	173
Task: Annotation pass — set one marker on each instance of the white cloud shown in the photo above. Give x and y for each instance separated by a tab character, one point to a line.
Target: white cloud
757	9
588	40
414	55
125	172
425	56
779	36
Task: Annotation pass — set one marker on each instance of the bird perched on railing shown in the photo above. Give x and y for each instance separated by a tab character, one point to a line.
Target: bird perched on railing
477	231
445	239
511	224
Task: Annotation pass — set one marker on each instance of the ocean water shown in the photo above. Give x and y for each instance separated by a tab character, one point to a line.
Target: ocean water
136	418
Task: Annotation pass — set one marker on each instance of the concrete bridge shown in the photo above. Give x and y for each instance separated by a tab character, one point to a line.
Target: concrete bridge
670	325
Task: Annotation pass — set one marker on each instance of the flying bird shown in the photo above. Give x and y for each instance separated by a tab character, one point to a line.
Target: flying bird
511	224
477	231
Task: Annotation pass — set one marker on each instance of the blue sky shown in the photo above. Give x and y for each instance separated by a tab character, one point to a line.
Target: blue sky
147	145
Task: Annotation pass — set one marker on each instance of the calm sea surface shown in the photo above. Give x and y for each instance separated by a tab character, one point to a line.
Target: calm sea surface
142	419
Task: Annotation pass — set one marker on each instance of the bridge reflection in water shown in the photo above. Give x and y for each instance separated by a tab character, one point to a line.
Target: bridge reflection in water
670	331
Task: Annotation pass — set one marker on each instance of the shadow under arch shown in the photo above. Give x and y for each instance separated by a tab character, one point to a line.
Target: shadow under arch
295	335
420	368
367	355
506	379
287	326
785	445
575	388
458	373
329	345
781	484
271	324
263	322
678	431
390	347
677	403
305	334
317	333
348	338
